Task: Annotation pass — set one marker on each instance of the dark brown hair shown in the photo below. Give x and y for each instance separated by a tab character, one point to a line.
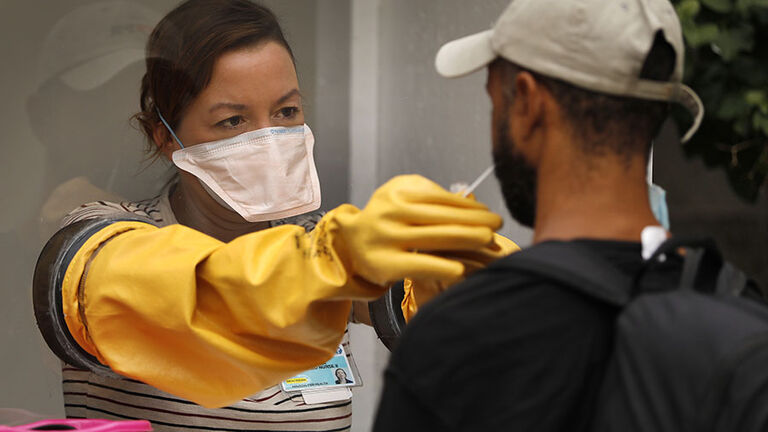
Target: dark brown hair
183	48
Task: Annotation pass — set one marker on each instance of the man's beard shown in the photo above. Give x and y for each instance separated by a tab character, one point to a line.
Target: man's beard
516	176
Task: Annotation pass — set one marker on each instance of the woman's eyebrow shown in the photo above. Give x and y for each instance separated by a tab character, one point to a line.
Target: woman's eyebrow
229	105
285	97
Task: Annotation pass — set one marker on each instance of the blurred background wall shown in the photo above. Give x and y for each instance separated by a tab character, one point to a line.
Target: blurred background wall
373	99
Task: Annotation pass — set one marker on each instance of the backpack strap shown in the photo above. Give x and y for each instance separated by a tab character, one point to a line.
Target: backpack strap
704	268
691	265
573	265
731	281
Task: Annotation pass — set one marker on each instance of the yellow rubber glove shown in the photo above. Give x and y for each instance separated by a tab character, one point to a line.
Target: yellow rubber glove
420	291
406	227
214	322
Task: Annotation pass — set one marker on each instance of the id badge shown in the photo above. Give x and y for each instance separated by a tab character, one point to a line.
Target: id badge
334	374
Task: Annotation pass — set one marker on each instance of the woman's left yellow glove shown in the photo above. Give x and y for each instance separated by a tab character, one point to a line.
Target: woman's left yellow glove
420	291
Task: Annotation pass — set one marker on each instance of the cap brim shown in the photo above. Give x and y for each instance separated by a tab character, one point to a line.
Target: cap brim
97	71
466	55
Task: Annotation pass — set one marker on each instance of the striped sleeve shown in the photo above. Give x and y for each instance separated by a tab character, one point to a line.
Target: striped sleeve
101	209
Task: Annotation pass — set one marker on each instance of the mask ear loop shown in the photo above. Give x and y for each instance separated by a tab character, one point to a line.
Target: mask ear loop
167	126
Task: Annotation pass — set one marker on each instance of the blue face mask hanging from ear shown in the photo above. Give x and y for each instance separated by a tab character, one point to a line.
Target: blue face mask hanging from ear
657	197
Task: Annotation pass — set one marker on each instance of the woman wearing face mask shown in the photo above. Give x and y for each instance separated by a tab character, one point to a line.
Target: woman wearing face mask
227	282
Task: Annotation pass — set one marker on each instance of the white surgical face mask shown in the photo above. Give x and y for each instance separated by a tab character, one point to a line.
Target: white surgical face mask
263	175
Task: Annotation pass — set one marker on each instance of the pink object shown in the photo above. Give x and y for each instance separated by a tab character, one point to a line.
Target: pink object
87	425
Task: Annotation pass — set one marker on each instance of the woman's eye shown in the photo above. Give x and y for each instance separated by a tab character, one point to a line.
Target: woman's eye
231	122
288	112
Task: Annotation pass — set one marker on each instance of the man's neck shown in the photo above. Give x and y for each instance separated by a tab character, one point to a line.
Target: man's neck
608	200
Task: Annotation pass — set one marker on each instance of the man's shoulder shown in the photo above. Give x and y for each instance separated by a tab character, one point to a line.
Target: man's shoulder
493	301
500	286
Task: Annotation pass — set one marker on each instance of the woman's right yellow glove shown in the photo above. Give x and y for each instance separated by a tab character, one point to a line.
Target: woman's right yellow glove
408	227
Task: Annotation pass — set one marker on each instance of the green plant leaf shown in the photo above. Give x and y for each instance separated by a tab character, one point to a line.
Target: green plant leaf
722	6
760	122
688	9
743	6
759	99
731	42
732	107
746	4
726	62
698	35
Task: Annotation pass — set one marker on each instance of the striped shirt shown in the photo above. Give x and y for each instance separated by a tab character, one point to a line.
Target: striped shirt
88	395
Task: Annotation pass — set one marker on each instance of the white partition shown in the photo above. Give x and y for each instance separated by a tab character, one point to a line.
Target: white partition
62	146
404	118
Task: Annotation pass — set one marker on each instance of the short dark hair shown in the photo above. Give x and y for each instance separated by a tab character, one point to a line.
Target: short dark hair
620	125
184	47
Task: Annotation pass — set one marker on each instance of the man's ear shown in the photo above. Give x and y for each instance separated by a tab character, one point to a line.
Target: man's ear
528	115
528	107
163	140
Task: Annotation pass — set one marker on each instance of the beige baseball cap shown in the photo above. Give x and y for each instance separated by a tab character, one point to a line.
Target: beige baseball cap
598	45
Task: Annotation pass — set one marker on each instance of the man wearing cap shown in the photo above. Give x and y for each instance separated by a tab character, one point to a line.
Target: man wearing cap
579	90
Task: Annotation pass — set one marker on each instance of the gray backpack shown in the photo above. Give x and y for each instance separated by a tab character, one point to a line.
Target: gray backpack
688	357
